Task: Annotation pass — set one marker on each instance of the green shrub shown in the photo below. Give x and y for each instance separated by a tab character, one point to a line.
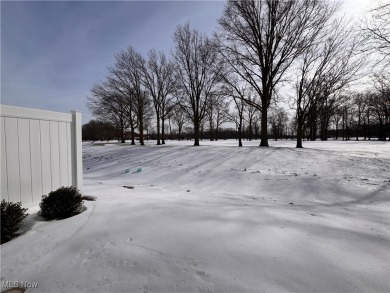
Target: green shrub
62	203
12	215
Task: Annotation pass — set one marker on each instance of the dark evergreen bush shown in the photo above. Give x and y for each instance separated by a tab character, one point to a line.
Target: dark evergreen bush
12	215
62	203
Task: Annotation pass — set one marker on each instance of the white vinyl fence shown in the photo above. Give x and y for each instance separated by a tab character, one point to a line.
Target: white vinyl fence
40	152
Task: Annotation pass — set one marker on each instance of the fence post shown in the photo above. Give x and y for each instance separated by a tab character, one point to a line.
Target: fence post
78	152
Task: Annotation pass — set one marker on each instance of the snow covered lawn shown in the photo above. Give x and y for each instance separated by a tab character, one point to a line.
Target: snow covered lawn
218	218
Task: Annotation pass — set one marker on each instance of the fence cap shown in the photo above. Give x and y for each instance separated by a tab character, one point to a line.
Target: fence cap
29	113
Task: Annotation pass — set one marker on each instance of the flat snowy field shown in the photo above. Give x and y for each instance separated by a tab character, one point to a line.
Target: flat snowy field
217	218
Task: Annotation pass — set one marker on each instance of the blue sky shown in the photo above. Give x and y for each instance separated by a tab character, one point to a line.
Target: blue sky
52	52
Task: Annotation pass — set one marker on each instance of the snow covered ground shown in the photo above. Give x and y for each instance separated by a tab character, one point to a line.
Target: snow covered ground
217	218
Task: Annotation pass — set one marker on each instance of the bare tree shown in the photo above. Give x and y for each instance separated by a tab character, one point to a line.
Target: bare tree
261	39
217	113
178	117
158	78
376	31
237	117
222	115
127	74
198	73
238	91
326	67
382	85
110	105
278	121
346	111
360	103
166	111
380	108
336	120
251	111
327	109
115	85
292	127
367	122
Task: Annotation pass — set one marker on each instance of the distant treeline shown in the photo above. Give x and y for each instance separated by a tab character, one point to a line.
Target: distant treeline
104	131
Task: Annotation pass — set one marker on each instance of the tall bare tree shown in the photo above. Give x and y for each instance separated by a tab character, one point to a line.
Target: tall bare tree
262	38
115	84
127	73
326	67
158	78
238	91
198	73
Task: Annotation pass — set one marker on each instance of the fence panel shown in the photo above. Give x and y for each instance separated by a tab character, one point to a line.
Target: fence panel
45	156
24	160
4	184
12	158
40	151
36	159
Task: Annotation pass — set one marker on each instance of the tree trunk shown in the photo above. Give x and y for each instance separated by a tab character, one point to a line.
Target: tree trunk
158	128
132	134
387	122
163	129
196	131
240	133
275	133
211	130
323	130
357	130
263	133
122	130
299	134
170	129
365	130
313	131
250	128
141	131
180	128
368	125
381	135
